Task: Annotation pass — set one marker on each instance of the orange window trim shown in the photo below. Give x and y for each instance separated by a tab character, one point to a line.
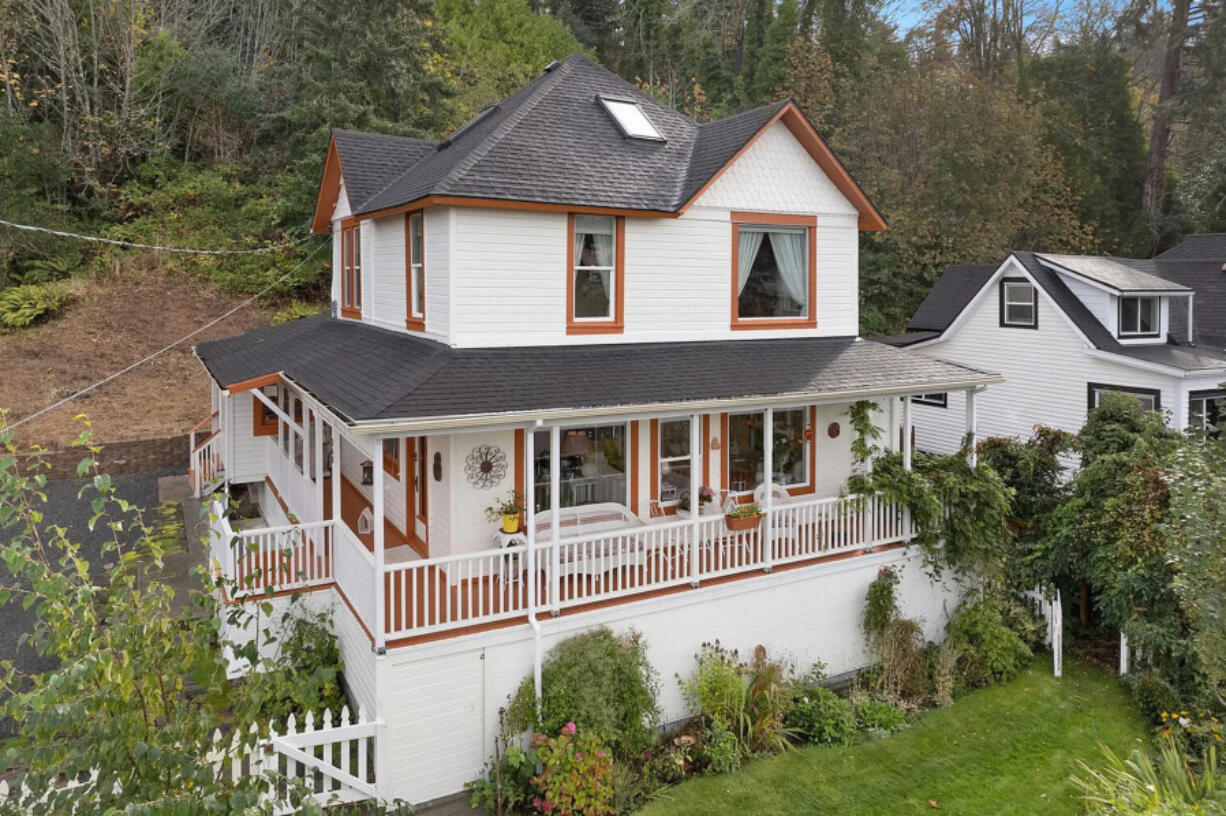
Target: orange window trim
351	277
769	323
412	322
421	458
655	470
799	490
391	465
262	425
617	324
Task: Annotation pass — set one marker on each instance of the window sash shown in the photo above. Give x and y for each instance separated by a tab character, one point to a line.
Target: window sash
1019	304
351	267
417	266
603	225
673	459
766	230
757	454
1148	401
1135	312
576	488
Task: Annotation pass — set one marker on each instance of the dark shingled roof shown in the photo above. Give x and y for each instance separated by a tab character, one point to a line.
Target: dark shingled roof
1199	263
949	296
369	160
553	142
367	373
1208	246
959	285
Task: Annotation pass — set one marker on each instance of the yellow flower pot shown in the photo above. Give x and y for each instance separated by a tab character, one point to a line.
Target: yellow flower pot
510	522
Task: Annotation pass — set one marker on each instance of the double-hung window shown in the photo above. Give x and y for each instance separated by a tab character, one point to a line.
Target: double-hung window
415	266
391	457
774	271
675	464
790	452
594	295
1019	305
1149	398
1207	411
351	269
1139	317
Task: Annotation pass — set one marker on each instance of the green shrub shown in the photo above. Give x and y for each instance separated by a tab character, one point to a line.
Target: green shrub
880	605
576	774
990	651
716	691
1171	784
307	677
720	751
296	310
602	683
506	783
23	306
750	700
1154	695
878	716
820	716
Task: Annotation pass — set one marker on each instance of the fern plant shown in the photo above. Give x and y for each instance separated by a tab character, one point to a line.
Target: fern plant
22	306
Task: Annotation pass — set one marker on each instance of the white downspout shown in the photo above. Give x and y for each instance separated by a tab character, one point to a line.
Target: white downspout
768	473
530	521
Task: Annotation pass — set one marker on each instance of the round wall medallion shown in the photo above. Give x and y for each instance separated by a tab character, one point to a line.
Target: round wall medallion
485	466
833	430
438	466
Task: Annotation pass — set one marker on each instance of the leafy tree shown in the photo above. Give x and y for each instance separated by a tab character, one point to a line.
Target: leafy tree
138	686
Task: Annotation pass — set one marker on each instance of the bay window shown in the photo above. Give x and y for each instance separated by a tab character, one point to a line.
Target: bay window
415	266
1138	317
592	466
774	280
791	452
594	293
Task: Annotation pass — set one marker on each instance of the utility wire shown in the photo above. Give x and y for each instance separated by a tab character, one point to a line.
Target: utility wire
167	348
134	245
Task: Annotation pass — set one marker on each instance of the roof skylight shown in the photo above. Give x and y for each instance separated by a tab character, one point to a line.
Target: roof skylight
631	119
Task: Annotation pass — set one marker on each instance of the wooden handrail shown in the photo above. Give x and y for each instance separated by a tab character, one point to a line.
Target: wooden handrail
206	421
206	440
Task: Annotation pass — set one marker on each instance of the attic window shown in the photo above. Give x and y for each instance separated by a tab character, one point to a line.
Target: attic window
631	119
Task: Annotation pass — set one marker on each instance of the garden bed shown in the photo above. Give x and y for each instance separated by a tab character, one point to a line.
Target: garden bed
1006	749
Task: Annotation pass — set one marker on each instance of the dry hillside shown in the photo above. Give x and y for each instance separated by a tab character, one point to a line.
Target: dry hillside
113	322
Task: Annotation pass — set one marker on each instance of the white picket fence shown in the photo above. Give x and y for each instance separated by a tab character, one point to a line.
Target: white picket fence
329	761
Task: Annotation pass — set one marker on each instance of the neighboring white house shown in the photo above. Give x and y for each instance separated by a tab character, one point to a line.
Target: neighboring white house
1063	329
589	299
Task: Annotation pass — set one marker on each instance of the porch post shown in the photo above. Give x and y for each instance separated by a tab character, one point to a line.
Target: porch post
972	427
336	477
530	521
307	449
906	432
697	447
317	428
555	517
892	418
377	511
768	472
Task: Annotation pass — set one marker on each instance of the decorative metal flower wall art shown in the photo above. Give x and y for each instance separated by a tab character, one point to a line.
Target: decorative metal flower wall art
485	466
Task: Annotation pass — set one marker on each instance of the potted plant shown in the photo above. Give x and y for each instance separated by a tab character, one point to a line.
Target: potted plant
508	510
705	496
743	517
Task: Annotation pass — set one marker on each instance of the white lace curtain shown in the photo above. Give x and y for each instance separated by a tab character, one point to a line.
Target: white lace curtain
749	243
789	249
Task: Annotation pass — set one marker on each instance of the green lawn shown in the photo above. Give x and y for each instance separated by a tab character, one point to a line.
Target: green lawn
1007	749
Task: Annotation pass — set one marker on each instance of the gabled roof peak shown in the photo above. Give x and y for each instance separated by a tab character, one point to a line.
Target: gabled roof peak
554	142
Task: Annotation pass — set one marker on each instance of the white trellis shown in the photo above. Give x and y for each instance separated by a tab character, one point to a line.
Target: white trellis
331	761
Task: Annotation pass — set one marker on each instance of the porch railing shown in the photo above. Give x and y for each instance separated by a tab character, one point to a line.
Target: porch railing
204	466
435	594
296	489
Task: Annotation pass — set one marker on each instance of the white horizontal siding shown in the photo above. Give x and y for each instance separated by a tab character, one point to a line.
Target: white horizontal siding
356	655
250	453
384	257
1101	304
1046	372
438	278
440	700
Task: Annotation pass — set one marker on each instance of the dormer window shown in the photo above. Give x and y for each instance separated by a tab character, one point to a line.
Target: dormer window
631	119
1019	304
1139	316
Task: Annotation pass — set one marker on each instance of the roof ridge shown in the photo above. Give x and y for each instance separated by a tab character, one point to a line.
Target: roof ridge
548	83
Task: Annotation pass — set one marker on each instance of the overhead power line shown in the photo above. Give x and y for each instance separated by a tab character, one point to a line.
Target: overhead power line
165	348
135	245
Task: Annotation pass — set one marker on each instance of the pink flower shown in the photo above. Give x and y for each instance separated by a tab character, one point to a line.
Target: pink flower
569	728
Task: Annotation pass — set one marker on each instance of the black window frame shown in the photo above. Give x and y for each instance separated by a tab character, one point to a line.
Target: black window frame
1138	335
1034	300
1091	387
935	400
1206	394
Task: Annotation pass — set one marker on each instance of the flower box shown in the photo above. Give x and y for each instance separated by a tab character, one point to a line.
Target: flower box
739	524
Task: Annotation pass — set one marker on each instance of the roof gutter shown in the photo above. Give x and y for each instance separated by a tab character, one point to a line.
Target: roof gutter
1155	367
519	418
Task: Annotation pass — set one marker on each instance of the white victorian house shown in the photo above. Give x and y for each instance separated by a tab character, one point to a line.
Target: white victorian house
1064	329
593	301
